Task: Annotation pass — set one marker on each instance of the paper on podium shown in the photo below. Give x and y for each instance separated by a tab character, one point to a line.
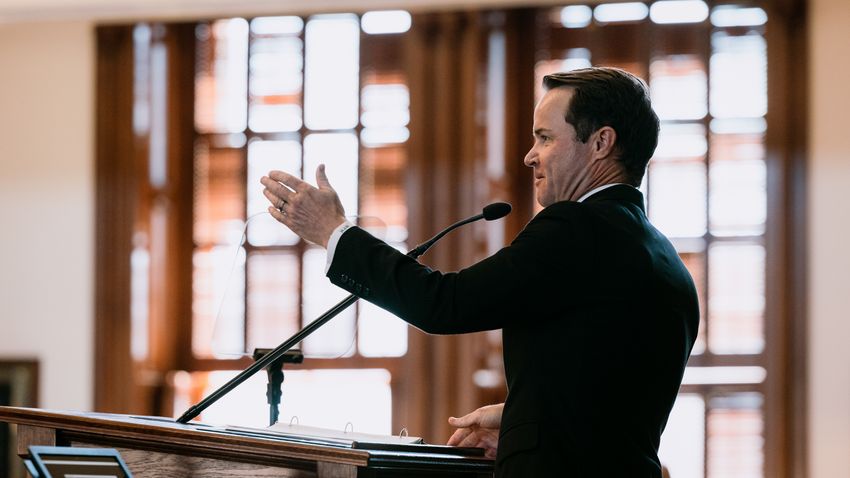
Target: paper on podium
329	436
302	430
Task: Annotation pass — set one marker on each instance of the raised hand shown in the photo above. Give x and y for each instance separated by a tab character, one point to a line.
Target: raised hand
312	213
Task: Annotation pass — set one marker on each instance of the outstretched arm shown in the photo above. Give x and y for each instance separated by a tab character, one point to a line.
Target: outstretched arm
478	429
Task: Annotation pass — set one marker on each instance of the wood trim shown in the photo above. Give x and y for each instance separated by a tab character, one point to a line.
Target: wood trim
114	216
519	112
171	437
445	54
786	139
180	192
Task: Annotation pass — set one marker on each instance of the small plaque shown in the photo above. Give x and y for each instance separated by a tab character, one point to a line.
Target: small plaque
69	462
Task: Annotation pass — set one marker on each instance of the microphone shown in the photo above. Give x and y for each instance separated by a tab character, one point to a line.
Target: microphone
491	212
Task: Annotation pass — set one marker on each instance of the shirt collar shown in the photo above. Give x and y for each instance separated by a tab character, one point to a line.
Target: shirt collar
600	188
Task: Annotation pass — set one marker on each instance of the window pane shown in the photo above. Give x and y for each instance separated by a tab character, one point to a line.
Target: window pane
276	71
683	442
319	398
736	298
221	76
735	16
681	141
273	293
695	262
336	338
723	375
380	333
277	26
382	189
219	194
140	296
679	87
386	113
737	184
677	198
738	76
620	12
218	286
264	156
735	436
338	151
677	190
576	16
678	11
386	21
332	69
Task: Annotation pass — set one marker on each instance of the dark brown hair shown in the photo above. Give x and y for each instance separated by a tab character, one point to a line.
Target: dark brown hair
615	98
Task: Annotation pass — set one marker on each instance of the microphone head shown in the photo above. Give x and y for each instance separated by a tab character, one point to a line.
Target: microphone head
497	210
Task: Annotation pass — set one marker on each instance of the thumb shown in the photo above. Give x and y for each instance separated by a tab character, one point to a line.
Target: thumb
467	420
322	178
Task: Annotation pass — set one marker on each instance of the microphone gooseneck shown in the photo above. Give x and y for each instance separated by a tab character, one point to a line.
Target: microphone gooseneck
497	210
490	212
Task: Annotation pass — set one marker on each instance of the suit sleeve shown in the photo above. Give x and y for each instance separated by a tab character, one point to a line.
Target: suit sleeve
485	296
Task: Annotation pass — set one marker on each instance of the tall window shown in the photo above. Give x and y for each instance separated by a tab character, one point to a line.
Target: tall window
706	189
290	93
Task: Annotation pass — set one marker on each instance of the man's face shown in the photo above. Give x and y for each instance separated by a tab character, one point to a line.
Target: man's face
561	162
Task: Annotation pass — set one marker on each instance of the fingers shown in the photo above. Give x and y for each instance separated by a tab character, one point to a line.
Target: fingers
322	178
280	216
289	180
276	201
276	192
465	421
458	436
475	438
472	440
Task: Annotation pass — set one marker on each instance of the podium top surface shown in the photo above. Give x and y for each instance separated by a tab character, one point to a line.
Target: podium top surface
165	434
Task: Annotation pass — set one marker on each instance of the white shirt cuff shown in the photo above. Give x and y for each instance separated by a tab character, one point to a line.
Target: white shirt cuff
333	240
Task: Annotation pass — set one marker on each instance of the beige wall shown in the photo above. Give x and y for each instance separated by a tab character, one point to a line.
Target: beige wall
47	205
829	239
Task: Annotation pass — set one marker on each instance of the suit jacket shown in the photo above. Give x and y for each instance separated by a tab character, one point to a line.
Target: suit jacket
598	317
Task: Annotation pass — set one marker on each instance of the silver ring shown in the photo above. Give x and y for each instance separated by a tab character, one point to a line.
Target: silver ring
280	207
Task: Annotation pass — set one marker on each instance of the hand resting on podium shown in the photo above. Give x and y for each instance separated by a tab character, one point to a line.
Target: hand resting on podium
478	429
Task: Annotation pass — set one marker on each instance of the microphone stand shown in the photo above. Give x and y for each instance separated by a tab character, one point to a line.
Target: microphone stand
281	349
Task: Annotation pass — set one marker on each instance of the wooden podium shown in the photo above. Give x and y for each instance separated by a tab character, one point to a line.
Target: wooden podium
156	447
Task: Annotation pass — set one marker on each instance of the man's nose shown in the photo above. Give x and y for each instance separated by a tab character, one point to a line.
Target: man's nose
530	158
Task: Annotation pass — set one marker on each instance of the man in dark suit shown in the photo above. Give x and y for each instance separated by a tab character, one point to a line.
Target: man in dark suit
598	312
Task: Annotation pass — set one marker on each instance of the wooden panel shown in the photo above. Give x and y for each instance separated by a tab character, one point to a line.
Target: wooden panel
445	55
114	212
335	470
29	435
148	464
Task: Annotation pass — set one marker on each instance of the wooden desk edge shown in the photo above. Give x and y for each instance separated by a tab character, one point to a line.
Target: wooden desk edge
190	438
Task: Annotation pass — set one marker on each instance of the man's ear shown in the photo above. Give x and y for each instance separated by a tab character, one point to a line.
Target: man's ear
604	141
